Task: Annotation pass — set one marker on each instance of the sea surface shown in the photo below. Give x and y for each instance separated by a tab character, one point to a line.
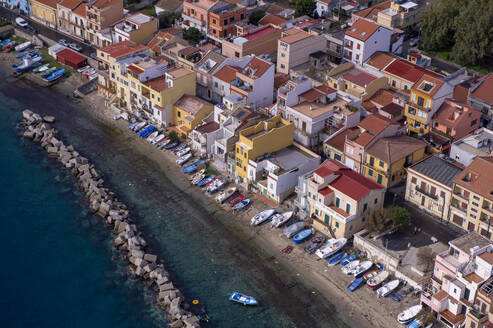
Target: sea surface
59	269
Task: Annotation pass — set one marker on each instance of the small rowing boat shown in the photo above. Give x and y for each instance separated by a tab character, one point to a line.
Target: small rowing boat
388	288
348	268
242	299
261	217
409	314
224	195
293	229
241	205
355	284
377	280
347	259
302	235
336	259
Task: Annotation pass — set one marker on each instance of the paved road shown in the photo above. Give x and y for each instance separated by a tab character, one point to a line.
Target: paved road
48	32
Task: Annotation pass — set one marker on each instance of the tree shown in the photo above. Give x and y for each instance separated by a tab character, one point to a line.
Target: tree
305	7
377	219
173	136
401	218
192	35
168	18
425	257
256	17
438	24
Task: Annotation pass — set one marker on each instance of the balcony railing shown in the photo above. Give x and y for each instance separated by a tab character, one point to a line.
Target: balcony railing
193	20
334	213
476	313
442	258
424	192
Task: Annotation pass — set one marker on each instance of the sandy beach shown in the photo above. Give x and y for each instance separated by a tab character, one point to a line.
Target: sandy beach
361	308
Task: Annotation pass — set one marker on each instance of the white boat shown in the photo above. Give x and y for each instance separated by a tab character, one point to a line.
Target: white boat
218	184
261	217
196	174
378	279
152	136
280	220
362	268
183	152
409	314
164	143
388	288
183	159
139	126
293	229
348	268
23	46
332	246
198	178
157	139
225	194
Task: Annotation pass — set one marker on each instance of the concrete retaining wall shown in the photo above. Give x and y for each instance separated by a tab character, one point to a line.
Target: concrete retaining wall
375	253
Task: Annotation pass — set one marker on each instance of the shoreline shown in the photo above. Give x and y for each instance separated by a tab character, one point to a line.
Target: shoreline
298	266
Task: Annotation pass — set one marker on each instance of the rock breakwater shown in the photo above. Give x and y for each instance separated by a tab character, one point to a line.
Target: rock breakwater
143	264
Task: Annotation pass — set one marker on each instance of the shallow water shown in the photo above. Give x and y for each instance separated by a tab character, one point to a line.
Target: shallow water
205	259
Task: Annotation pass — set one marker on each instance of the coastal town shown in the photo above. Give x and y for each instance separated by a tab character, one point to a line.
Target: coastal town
332	131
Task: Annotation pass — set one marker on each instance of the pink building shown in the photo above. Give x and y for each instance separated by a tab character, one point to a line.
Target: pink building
457	277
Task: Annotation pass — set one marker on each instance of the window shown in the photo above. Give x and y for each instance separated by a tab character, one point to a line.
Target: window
376	200
357	57
337	157
213	31
428	103
413	180
309	194
152	96
316	211
433	190
231	19
421	114
365	207
380	163
411	110
370	172
225	22
338	201
327	219
413	97
237	54
242	16
358	46
283	66
348	208
337	224
442	194
379	179
372	160
215	84
283	54
421	101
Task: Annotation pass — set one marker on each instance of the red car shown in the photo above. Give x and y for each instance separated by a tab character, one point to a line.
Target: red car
236	200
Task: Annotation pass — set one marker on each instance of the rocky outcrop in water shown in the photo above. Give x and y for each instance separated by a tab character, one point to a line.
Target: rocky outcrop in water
143	264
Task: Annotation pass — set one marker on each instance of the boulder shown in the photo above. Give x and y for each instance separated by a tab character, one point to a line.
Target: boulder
191	321
161	281
27	114
139	271
118	241
166	287
176	324
174	307
150	258
104	208
28	134
49	119
140	262
150	267
138	254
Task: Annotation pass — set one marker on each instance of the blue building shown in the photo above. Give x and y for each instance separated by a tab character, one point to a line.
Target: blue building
23	5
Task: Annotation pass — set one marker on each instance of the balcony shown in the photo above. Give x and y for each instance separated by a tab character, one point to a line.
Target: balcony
193	20
476	313
335	212
424	192
447	261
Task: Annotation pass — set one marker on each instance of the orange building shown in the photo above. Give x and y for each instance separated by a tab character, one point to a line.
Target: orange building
222	18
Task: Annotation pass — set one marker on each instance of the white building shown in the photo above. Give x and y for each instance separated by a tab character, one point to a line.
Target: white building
204	137
364	38
323	7
479	143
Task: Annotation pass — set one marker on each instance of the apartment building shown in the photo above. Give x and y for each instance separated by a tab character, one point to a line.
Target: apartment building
481	312
189	111
223	17
295	46
203	138
101	15
205	69
196	14
136	27
364	38
429	185
337	197
471	207
400	14
426	97
371	13
479	143
65	10
45	12
387	159
460	275
263	138
259	41
370	129
481	97
320	110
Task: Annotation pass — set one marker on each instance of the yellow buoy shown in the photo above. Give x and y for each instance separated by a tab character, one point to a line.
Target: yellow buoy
195	302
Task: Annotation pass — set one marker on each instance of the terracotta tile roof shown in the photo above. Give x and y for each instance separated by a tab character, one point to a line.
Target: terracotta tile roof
325	89
484	91
380	60
369	106
273	19
393	149
452	318
123	48
70	4
461	92
208	127
311	95
353	184
323	171
227	73
382	97
408	71
135	69
359	77
81	10
453	117
294	35
339	140
101	4
187	51
257	66
440	295
264	30
191	104
393	109
325	191
279	80
159	84
208	47
49	3
362	29
372	125
429	79
487	256
476	177
372	12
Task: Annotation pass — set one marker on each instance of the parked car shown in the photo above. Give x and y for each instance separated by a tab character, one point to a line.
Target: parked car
75	47
21	22
63	42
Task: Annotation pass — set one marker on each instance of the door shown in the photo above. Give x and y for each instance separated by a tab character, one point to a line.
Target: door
422	200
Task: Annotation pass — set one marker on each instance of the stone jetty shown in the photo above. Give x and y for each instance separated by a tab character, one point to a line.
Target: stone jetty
143	264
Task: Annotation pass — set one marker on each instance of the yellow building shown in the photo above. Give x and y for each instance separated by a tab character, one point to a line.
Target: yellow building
265	137
188	112
333	148
137	27
400	15
338	197
386	160
426	97
45	12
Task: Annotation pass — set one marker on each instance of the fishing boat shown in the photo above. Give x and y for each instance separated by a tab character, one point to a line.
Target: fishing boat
55	75
355	284
371	274
132	125
236	200
205	181
242	298
261	217
9	47
171	145
388	288
48	71
409	314
333	246
347	259
163	143
293	229
281	219
147	131
241	205
28	62
139	126
25	54
23	46
198	178
336	259
316	242
362	268
183	159
302	235
158	139
41	69
4	42
151	137
377	280
348	268
217	185
224	195
183	152
177	149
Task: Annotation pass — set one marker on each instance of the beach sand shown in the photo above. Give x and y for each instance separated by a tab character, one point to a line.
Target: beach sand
361	308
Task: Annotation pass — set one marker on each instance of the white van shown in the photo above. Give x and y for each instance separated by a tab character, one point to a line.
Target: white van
21	22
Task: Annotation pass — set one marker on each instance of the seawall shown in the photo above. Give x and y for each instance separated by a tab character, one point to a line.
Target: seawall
143	264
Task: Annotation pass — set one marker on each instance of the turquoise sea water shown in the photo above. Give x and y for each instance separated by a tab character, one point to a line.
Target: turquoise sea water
58	269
